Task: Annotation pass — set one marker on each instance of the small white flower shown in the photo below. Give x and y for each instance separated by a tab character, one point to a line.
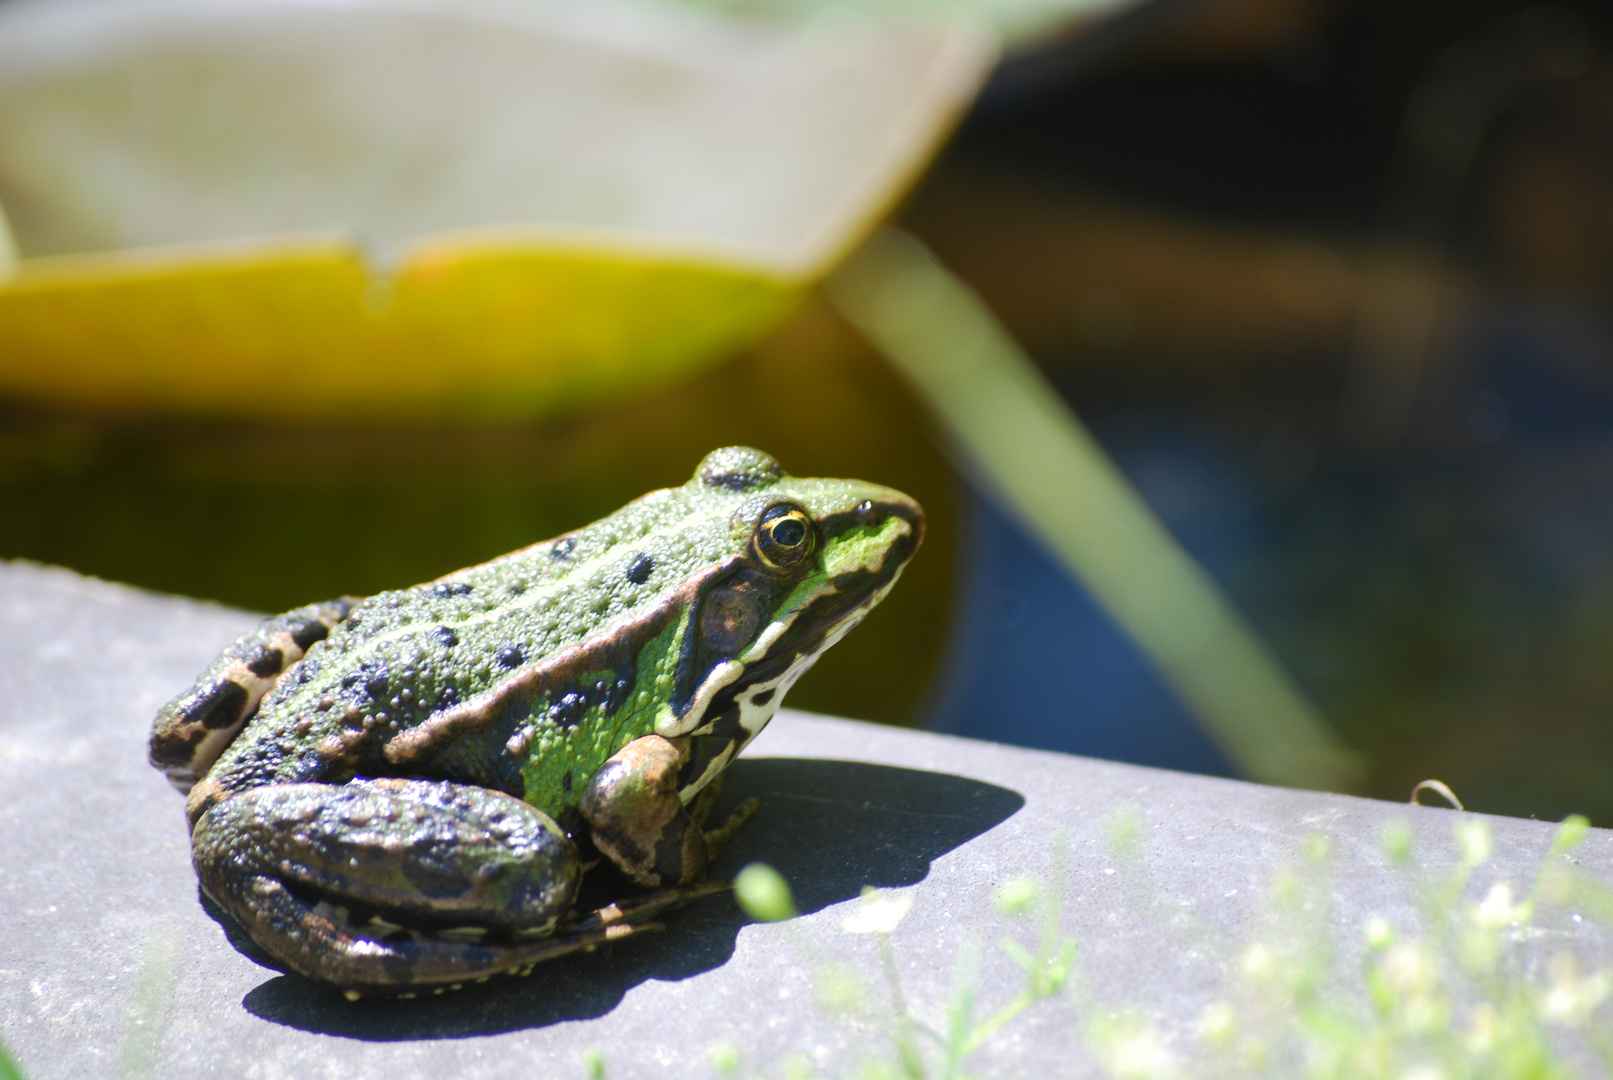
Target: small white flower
1138	1052
1258	963
878	913
1409	967
1570	1000
1218	1025
1379	933
1498	910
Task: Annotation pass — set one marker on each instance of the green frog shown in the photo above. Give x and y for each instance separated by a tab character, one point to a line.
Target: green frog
403	793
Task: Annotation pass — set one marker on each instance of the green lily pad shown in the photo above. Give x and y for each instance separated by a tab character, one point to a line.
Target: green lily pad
430	209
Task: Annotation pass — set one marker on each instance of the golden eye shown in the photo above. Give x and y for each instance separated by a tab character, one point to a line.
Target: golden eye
785	537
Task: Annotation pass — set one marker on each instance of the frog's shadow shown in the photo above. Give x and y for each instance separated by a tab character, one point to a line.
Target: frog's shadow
830	827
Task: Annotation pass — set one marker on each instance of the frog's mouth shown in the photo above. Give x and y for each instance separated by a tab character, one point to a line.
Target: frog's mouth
738	698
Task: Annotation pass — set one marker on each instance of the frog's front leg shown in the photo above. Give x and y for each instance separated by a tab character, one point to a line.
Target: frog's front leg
466	882
194	728
637	818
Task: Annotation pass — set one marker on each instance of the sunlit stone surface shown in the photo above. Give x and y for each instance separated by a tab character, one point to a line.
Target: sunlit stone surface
109	965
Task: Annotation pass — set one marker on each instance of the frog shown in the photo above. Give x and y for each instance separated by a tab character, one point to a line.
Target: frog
403	794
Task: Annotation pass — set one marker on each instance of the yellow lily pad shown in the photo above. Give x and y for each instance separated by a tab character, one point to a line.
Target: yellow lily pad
422	209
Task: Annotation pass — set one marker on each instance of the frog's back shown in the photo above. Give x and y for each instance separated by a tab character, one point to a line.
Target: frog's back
688	612
403	660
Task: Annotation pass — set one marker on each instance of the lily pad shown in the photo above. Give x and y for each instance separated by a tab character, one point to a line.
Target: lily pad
421	209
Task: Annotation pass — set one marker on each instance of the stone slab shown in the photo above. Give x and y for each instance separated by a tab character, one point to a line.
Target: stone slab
108	965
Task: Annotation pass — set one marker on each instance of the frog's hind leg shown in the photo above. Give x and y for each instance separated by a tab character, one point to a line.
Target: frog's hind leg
455	958
370	956
193	729
327	880
365	955
394	883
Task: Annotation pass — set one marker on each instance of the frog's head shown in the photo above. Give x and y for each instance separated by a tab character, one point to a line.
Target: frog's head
807	559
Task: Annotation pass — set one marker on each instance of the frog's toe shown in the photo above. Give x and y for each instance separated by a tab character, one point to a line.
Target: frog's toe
717	839
639	910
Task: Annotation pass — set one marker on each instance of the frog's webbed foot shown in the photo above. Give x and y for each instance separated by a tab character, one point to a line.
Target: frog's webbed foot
717	839
638	820
394	883
193	729
700	810
612	922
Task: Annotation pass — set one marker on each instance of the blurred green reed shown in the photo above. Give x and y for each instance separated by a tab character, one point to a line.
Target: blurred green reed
1013	430
150	1008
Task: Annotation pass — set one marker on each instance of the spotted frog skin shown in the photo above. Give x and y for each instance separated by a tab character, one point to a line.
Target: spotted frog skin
403	793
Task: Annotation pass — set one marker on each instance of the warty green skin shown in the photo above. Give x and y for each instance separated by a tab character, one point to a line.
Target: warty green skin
435	708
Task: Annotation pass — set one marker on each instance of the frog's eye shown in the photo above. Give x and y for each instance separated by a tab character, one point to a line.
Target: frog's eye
785	537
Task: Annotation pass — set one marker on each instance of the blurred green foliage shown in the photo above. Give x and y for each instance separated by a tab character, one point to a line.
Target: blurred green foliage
1498	988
